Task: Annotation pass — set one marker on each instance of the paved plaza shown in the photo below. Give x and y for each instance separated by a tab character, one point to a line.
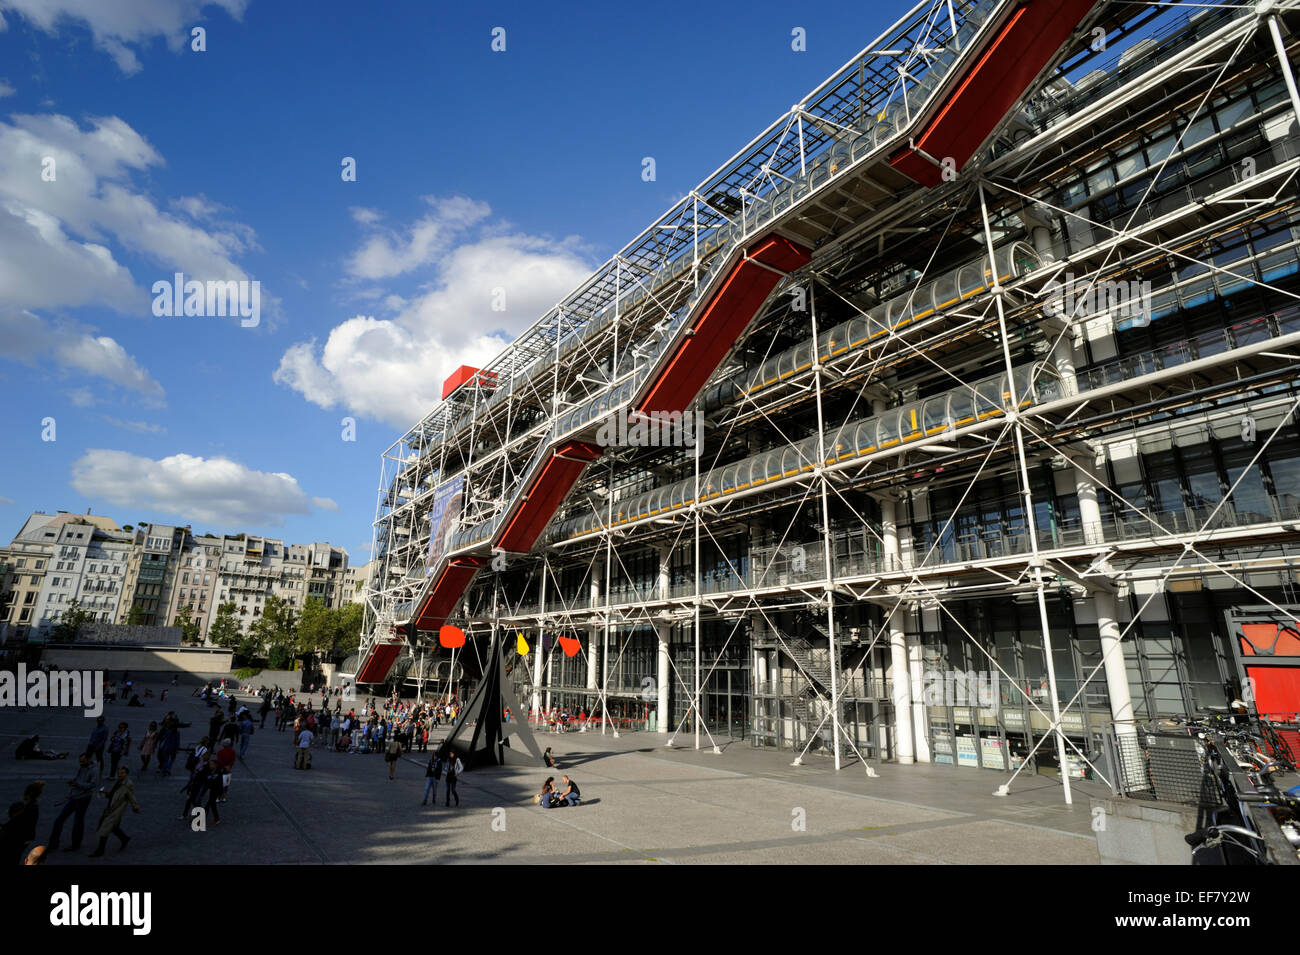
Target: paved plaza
643	804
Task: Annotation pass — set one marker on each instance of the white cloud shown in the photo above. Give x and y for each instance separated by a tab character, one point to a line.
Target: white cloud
119	25
392	368
207	490
6	501
324	503
55	236
139	427
387	253
6	89
76	349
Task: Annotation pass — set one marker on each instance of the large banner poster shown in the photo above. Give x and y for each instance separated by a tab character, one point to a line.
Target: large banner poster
444	518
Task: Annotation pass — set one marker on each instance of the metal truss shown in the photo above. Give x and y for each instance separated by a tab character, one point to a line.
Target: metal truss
882	243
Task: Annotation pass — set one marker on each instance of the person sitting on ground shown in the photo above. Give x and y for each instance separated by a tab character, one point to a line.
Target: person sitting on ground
135	701
30	748
548	758
570	796
547	798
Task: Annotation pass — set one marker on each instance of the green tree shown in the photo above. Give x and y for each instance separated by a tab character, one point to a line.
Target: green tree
317	628
276	627
189	626
71	622
347	632
135	616
224	629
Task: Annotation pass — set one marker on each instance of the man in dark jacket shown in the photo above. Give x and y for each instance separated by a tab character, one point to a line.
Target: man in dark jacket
79	796
169	747
98	738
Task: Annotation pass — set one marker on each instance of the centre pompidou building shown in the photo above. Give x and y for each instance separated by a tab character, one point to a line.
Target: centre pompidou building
992	342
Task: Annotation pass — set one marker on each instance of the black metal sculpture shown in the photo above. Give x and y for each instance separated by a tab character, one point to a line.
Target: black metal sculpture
481	737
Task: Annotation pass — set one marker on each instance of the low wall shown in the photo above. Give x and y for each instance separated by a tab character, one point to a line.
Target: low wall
1142	832
204	660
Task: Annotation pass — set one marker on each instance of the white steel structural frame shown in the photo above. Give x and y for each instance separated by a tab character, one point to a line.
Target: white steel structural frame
915	587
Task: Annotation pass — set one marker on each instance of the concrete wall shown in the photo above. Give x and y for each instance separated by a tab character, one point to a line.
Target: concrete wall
1142	832
206	660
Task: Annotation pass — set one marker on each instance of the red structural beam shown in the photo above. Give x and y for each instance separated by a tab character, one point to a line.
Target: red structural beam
446	590
545	494
1008	63
721	321
378	662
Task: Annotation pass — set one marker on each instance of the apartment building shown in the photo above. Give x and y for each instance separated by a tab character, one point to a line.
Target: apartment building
147	573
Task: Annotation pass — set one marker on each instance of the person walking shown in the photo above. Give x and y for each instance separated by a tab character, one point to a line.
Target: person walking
118	746
169	746
245	733
205	782
391	755
265	709
98	739
302	755
148	745
81	791
432	773
225	758
110	823
454	768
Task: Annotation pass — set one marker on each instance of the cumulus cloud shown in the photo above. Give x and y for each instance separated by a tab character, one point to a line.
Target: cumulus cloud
119	27
387	253
75	349
209	490
55	236
325	503
392	367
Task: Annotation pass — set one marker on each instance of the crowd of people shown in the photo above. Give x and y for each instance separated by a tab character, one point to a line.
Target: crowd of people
392	726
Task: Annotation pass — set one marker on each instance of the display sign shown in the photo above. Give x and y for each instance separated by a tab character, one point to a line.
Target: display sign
444	517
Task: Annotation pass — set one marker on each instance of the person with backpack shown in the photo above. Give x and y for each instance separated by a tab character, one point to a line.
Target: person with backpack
198	756
454	768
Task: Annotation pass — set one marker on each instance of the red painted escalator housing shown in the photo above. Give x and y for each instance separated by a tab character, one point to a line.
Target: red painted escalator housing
720	323
446	590
545	494
378	662
1007	64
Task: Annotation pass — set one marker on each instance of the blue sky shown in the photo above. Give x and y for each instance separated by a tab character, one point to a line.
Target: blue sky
475	170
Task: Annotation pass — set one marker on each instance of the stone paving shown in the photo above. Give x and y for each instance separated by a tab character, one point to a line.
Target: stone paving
643	804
